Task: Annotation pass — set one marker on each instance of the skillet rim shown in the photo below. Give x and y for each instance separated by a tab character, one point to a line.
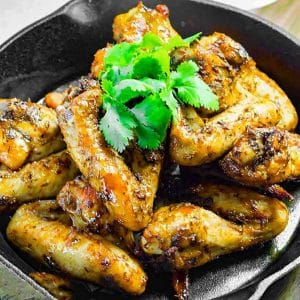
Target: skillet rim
64	10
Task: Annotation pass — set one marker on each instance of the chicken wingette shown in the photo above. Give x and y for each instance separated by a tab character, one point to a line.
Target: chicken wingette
28	132
87	210
41	230
235	218
37	180
128	195
264	156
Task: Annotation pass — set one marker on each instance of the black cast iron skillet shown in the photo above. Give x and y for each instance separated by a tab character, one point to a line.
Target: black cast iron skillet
60	48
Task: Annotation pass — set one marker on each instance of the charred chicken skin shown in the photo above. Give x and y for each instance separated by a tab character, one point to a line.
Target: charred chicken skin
189	236
40	229
28	132
264	156
128	196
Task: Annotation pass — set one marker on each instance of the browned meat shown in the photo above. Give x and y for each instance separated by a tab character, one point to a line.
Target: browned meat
128	194
189	236
264	156
88	212
195	141
41	179
223	65
28	132
40	230
131	26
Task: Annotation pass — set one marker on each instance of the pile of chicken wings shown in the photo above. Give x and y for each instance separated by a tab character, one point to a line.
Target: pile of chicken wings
106	221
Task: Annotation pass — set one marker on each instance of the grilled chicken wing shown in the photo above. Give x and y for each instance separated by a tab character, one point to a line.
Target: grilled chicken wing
131	26
39	229
223	65
264	156
128	195
37	180
195	142
28	132
190	236
88	212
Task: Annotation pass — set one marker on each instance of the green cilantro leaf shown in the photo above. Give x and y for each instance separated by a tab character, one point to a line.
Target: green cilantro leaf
150	41
156	84
192	38
168	97
129	89
147	66
151	113
164	59
120	54
115	73
117	125
191	89
142	71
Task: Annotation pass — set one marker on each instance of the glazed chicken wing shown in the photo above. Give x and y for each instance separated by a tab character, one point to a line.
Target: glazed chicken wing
40	229
128	195
87	210
223	65
28	132
189	236
264	156
131	26
194	141
37	180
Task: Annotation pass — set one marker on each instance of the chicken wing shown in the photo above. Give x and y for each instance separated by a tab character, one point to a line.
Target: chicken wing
189	236
128	195
264	156
195	142
38	229
131	26
28	132
88	212
223	65
37	180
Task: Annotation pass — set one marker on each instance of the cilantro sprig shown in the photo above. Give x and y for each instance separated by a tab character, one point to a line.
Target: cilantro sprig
142	93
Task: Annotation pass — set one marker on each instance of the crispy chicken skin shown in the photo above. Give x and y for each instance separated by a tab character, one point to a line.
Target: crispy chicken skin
131	26
88	212
264	156
194	142
128	195
37	180
39	230
189	236
28	132
223	65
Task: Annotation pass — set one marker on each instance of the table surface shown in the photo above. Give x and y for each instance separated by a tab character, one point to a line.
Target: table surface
16	14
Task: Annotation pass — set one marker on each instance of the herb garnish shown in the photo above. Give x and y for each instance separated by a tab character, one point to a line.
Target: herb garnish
141	73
